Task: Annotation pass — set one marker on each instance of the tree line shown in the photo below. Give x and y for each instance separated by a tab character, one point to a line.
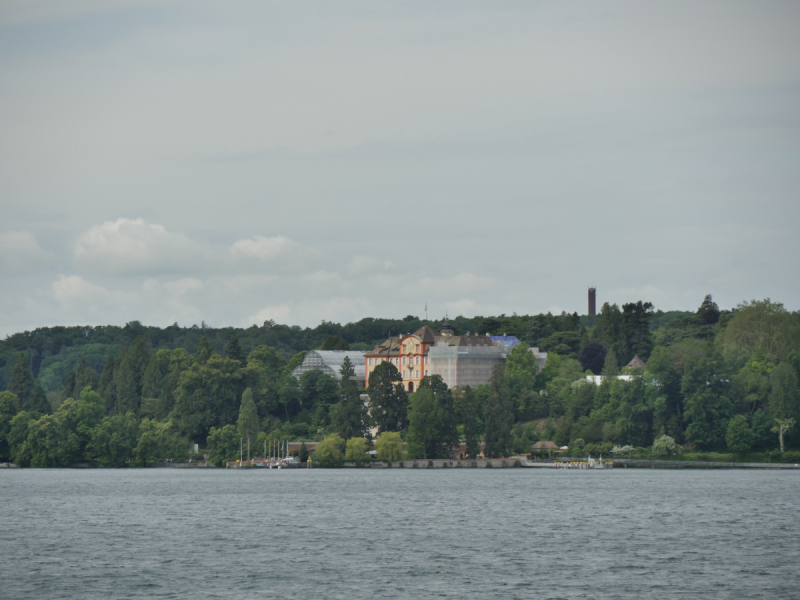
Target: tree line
713	381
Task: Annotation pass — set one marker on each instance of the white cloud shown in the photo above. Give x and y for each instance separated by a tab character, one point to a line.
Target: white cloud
133	246
279	314
74	288
20	252
264	248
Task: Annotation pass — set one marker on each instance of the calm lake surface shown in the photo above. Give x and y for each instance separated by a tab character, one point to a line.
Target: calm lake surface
473	533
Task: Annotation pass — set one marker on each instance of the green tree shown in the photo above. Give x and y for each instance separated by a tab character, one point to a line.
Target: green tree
521	363
208	395
85	376
296	361
21	383
138	359
9	407
356	450
349	417
498	417
706	405
611	366
665	445
303	452
107	387
127	397
233	350
636	325
113	440
39	402
17	438
330	451
467	409
739	438
204	351
784	399
389	446
387	398
52	443
334	342
223	444
708	311
760	325
610	331
78	417
248	419
432	425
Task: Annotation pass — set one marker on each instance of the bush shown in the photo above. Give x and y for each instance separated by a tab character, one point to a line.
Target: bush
330	451
389	446
665	445
356	450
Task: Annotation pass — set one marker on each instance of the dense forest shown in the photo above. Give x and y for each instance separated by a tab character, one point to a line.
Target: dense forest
713	381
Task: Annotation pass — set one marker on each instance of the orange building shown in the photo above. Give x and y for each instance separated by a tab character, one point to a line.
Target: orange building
409	353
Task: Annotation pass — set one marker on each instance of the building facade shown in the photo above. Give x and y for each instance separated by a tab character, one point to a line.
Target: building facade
460	360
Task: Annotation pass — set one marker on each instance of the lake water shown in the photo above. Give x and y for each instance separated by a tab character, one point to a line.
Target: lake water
327	534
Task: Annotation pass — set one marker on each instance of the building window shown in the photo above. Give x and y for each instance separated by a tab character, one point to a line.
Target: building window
405	374
417	347
405	360
404	347
426	360
416	360
370	362
426	372
417	372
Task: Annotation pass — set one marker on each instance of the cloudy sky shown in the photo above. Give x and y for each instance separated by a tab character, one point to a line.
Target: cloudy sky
300	161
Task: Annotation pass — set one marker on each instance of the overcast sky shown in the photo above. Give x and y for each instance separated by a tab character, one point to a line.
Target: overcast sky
298	161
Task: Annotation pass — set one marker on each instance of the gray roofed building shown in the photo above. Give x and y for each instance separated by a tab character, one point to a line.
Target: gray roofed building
330	363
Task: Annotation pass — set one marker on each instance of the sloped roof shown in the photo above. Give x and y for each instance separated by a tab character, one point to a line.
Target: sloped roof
545	446
426	334
637	362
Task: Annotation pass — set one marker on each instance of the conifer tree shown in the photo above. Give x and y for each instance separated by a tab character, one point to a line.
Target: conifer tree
85	377
234	351
39	402
127	397
349	416
69	385
203	352
21	383
610	366
139	358
498	417
107	388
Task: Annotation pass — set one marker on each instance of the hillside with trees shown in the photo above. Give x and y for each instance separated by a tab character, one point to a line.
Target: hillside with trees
713	381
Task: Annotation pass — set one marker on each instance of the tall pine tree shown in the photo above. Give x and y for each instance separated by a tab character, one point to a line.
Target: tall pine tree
21	382
498	417
349	416
127	397
233	350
